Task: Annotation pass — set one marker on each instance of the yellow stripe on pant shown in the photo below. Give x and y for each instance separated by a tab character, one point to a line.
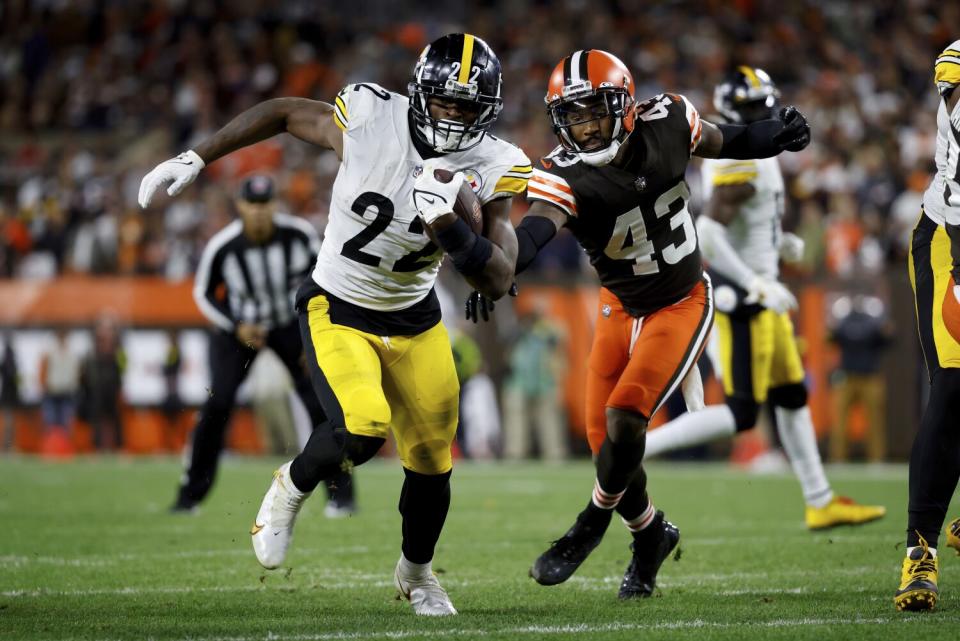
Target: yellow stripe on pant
404	384
930	264
757	354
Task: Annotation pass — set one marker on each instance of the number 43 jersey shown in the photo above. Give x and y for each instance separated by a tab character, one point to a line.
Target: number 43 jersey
375	253
633	221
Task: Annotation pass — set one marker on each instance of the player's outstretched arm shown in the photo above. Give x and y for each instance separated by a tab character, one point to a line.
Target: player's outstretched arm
309	120
761	139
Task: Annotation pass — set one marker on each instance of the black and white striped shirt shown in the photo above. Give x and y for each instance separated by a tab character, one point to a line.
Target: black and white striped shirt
261	281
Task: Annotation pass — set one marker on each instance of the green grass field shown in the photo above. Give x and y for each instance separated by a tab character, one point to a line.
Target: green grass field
89	552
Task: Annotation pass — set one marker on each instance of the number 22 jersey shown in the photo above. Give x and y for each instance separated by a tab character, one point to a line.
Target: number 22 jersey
633	221
375	254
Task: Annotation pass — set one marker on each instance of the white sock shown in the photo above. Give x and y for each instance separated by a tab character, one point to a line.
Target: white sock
643	521
933	551
409	570
692	428
800	443
605	500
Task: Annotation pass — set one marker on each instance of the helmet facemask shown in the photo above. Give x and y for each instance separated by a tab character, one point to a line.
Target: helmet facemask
589	107
444	135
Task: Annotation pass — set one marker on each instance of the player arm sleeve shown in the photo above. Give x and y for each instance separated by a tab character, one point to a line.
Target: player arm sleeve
721	255
750	141
208	279
533	233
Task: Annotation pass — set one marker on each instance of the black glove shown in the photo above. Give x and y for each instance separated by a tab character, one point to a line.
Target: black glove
795	134
477	305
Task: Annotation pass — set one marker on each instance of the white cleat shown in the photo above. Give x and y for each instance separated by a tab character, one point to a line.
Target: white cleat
272	531
425	594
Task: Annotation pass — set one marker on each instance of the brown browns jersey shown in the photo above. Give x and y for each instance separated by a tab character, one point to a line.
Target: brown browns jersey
633	220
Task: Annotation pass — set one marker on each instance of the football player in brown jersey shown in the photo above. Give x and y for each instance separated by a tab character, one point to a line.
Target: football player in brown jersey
616	181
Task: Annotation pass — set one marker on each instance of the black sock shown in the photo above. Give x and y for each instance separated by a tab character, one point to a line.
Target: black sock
635	500
618	463
328	454
935	460
595	516
424	502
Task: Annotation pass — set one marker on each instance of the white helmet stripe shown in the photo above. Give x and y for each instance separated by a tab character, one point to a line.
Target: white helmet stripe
575	68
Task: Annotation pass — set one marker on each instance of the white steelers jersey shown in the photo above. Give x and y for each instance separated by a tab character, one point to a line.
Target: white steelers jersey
756	233
941	201
375	253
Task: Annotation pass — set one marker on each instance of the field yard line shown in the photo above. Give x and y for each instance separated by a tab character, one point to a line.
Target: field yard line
94	560
319	580
567	629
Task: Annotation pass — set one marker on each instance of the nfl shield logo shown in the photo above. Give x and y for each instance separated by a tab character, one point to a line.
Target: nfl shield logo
605	310
640	183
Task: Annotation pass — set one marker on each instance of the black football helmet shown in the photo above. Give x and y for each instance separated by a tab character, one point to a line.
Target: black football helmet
746	95
459	67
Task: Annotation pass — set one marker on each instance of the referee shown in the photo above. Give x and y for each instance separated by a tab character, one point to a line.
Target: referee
245	285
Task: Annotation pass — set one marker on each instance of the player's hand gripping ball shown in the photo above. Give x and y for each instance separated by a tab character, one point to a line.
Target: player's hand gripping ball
439	191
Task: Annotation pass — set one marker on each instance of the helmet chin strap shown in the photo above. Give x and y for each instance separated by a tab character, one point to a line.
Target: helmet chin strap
602	157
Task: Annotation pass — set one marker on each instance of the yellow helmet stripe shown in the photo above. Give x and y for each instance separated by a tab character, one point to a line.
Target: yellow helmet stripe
466	59
750	74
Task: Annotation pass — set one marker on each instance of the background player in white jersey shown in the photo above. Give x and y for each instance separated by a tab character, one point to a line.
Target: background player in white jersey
935	274
379	357
741	237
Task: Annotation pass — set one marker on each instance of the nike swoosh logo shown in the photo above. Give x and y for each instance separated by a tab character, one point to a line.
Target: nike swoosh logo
188	163
429	201
256	528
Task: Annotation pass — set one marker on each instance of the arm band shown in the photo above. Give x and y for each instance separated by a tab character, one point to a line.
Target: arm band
744	142
532	234
469	251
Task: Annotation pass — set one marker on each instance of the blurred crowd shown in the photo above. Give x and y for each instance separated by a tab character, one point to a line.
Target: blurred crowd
94	93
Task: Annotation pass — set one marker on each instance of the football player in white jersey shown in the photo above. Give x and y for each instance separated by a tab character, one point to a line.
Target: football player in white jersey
935	274
742	240
379	357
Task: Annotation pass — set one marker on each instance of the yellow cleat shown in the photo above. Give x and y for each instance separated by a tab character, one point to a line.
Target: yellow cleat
842	511
953	535
918	580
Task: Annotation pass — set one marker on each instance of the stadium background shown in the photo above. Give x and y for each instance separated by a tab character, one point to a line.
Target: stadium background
93	94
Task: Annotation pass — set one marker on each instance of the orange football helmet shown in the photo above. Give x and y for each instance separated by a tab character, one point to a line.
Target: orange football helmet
591	85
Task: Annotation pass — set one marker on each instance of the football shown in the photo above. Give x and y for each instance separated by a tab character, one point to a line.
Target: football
467	206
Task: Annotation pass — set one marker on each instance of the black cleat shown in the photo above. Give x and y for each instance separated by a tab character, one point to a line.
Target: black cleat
649	551
565	555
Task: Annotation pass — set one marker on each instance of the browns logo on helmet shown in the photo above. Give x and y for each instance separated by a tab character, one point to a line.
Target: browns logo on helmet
590	86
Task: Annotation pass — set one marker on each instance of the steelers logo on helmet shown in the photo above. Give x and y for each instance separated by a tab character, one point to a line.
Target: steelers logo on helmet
746	95
462	68
590	101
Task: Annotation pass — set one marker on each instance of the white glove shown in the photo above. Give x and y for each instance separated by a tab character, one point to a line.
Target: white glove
791	248
692	387
770	294
181	170
433	198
